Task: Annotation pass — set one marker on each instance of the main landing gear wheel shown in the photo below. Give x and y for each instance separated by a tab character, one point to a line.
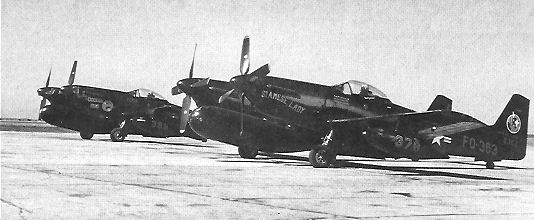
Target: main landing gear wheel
490	165
320	158
247	152
117	135
86	135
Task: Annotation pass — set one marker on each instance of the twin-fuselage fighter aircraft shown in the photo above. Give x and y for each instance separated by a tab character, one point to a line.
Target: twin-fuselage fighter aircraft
257	112
91	110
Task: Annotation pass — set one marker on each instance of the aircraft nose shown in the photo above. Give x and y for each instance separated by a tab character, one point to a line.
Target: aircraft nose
44	91
176	90
46	113
183	86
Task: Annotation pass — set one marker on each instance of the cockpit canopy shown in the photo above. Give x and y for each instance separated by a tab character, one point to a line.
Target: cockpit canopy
354	87
145	93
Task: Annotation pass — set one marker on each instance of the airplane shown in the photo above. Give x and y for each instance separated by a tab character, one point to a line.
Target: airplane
209	92
92	110
355	119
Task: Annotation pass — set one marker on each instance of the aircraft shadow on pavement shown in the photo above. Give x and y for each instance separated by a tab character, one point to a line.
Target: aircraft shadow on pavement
169	143
140	141
413	170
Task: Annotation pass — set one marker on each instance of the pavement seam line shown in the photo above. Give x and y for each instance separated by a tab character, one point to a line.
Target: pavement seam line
185	192
21	210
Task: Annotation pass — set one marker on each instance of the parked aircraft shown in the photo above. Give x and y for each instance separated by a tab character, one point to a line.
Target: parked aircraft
92	110
354	119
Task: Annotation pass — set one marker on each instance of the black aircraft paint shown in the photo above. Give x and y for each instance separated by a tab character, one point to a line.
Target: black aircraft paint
92	110
355	119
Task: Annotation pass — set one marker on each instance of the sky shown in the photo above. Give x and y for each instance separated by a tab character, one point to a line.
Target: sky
478	53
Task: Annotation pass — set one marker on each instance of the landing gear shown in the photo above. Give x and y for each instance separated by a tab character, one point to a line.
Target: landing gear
117	135
321	158
490	165
86	135
247	152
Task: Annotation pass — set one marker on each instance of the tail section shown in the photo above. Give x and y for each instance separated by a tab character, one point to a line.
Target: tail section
512	126
514	118
441	103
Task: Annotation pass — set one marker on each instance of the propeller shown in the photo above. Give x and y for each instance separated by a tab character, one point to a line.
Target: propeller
244	69
186	102
73	73
225	95
245	66
43	101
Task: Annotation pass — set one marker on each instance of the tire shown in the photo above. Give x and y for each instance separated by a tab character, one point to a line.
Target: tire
116	135
490	165
86	135
247	152
320	158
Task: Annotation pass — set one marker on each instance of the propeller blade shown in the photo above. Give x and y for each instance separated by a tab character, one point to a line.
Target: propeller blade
225	95
245	58
262	71
48	79
43	101
73	73
193	63
186	104
200	83
242	110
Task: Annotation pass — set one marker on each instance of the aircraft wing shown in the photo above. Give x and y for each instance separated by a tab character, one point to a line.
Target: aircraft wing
428	124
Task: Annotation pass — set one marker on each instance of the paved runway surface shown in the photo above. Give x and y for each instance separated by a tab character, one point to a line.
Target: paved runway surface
60	176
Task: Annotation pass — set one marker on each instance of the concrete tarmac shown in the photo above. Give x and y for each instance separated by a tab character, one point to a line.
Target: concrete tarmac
60	176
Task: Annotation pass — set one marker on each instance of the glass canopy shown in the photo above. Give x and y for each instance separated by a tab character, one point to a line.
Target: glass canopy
145	93
354	87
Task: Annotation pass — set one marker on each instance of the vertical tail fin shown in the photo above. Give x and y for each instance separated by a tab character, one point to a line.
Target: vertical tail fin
514	117
512	124
441	103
